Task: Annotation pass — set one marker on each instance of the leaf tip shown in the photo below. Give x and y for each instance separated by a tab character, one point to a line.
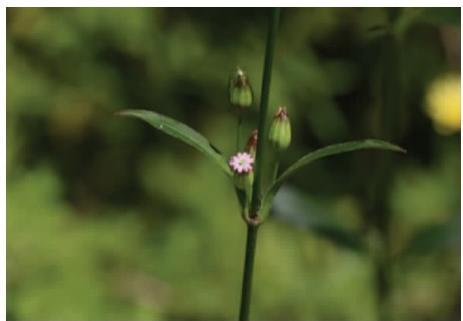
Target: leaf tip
398	149
124	112
402	150
386	145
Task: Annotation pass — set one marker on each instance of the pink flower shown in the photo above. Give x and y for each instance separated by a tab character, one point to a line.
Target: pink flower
241	163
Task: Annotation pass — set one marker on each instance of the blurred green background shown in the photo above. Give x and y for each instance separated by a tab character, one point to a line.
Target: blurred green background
108	219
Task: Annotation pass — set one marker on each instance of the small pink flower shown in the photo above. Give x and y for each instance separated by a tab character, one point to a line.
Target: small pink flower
241	163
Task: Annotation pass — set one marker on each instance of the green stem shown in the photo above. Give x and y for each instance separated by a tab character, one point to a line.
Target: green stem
276	166
248	272
253	221
383	288
262	129
238	130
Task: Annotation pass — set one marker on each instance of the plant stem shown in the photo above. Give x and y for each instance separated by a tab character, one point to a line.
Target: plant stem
238	130
248	272
262	129
256	188
383	288
276	159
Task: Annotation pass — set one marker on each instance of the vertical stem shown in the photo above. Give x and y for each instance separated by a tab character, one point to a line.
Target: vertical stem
248	272
262	129
256	188
238	130
390	128
384	289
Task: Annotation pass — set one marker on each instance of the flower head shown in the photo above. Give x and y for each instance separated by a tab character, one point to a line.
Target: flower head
241	163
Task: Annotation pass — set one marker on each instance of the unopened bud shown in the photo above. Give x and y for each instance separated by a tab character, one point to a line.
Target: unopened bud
252	143
240	91
280	130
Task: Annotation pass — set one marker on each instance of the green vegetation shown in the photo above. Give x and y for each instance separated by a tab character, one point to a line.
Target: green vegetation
108	219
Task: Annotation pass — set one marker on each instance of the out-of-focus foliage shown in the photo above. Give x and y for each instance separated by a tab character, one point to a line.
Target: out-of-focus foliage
111	220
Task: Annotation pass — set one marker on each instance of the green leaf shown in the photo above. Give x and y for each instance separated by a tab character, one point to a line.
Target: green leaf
322	153
182	132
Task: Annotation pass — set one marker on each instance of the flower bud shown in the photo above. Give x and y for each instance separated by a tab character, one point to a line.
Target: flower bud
280	130
240	91
252	143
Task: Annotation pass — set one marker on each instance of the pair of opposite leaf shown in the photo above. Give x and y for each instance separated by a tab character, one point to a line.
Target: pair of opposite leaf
240	165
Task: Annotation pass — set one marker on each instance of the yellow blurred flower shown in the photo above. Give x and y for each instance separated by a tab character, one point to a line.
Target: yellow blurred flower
443	103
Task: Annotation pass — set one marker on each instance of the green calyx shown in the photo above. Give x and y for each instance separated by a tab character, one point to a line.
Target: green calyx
280	130
244	182
240	91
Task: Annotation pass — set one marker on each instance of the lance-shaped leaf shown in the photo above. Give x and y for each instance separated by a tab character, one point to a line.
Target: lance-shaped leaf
182	132
322	153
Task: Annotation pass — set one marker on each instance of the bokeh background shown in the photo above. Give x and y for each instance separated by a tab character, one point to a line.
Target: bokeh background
108	219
